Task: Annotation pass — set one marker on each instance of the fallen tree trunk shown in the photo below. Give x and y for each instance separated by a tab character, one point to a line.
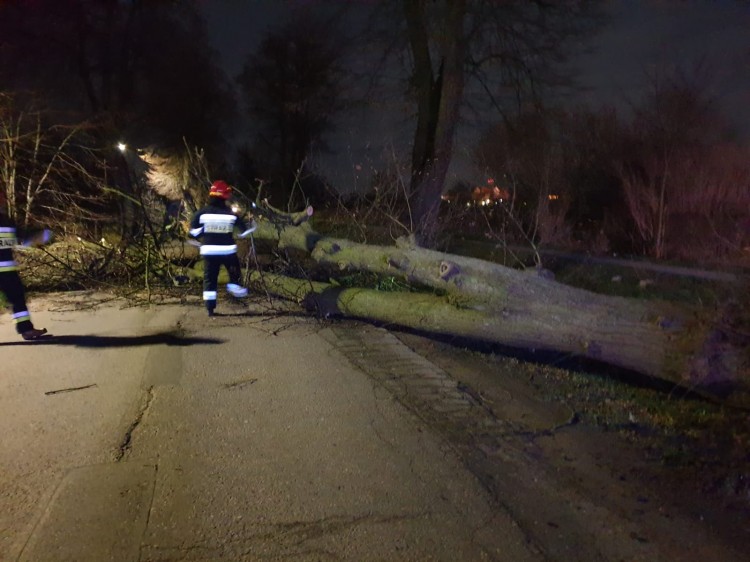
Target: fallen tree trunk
489	302
711	369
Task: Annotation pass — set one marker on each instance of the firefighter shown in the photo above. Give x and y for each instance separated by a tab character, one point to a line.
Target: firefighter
214	226
10	281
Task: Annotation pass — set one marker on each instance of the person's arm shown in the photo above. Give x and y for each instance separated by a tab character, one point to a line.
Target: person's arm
246	228
28	237
35	238
196	228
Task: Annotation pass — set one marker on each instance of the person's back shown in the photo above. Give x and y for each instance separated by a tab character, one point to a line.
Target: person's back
214	226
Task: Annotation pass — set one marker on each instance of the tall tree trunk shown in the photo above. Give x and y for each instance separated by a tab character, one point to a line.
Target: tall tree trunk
439	96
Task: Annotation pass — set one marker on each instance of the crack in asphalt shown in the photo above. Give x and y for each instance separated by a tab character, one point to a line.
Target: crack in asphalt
125	445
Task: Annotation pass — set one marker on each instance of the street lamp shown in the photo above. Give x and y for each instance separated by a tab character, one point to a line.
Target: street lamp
122	146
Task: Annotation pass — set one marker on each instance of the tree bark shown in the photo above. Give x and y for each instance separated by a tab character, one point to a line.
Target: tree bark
439	93
520	309
631	339
485	301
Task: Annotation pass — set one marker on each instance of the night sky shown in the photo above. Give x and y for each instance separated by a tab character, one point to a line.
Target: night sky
237	26
646	35
643	36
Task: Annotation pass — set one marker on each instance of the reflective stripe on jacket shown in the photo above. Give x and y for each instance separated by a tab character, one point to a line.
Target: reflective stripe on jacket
8	241
215	225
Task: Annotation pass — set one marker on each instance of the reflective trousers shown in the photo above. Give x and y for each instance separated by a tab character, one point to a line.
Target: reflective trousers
12	288
212	265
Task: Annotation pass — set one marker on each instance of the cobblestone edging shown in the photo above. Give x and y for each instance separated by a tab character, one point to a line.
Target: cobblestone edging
422	387
502	457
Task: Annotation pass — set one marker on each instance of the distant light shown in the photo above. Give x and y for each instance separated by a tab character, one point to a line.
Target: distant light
122	146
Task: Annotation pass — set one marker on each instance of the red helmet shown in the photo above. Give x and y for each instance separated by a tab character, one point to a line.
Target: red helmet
220	189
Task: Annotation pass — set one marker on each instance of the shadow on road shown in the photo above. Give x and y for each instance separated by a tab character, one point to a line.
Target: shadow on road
166	338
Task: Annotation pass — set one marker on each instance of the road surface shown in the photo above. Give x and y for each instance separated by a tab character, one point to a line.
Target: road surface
157	434
153	433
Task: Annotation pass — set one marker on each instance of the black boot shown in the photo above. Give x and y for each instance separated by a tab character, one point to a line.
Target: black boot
33	334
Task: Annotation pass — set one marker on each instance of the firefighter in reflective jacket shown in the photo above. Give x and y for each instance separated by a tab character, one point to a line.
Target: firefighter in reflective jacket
214	226
10	282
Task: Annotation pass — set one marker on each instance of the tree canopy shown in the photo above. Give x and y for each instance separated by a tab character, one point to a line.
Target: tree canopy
292	87
145	69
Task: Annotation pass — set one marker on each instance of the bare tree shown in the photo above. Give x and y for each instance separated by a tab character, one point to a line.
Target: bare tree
682	167
41	161
494	48
292	89
529	156
438	80
181	178
145	69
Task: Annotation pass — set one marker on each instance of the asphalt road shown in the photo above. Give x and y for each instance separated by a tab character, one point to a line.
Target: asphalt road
158	434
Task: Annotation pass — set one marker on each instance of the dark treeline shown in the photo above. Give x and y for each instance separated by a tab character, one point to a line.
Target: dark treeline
668	180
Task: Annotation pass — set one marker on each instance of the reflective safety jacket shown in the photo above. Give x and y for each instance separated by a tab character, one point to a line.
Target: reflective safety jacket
9	238
214	225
